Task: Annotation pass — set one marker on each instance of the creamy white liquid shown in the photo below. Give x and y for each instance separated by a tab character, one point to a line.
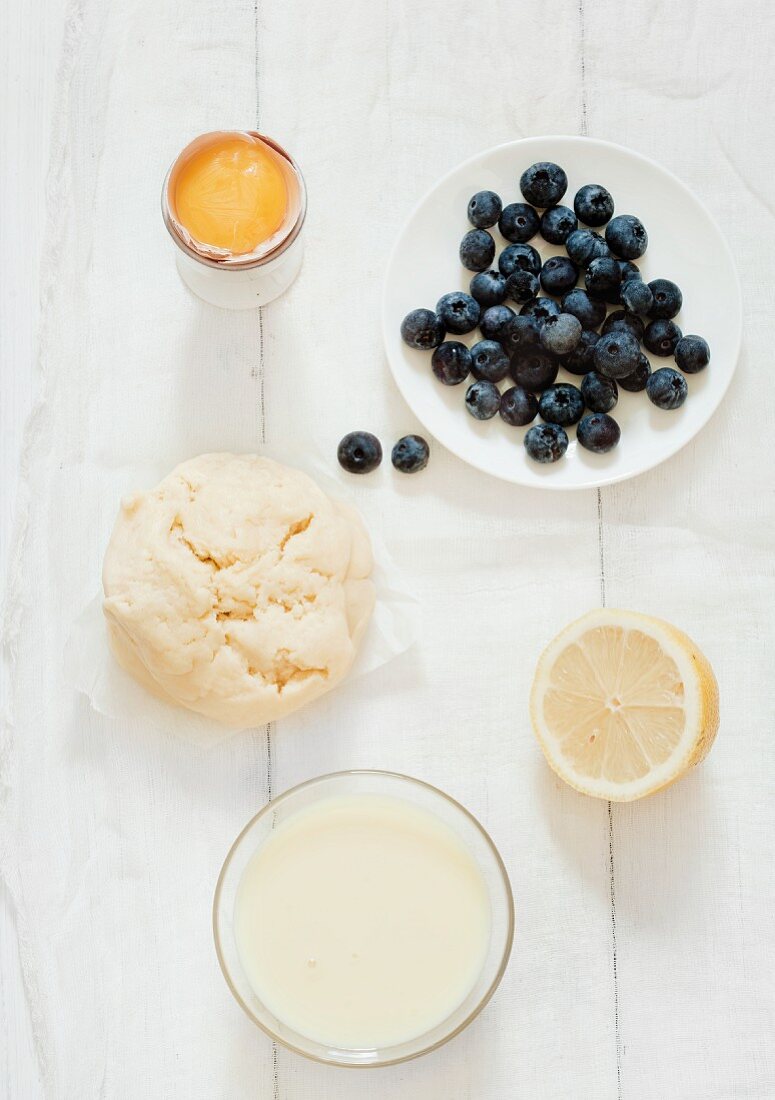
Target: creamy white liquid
362	921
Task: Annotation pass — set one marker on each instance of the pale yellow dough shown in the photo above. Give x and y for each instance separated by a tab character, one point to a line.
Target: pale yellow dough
237	588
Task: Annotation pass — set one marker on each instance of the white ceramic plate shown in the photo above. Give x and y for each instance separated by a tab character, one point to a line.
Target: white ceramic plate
685	245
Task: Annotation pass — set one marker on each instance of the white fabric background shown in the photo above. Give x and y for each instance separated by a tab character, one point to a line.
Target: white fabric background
111	834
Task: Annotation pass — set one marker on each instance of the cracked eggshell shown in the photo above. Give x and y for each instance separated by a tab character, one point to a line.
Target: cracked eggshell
237	588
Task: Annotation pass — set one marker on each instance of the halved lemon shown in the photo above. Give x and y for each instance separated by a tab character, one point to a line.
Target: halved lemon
623	704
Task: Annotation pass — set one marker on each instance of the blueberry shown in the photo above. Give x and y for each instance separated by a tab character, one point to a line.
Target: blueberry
590	312
557	223
422	329
626	236
359	453
540	308
518	407
600	393
489	361
636	296
583	246
546	442
489	288
558	275
493	320
533	370
522	286
629	270
477	250
603	280
621	319
561	334
520	333
636	381
518	222
483	399
582	358
593	204
692	354
451	362
661	337
484	209
598	433
561	404
543	184
668	299
519	257
667	388
410	454
459	312
616	354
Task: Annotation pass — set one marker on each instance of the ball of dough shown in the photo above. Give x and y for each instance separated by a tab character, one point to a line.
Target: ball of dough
237	588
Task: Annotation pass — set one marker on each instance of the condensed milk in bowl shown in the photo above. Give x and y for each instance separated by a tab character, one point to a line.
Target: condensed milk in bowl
363	918
234	203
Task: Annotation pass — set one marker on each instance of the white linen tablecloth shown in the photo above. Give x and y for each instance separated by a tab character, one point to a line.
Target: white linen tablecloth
643	961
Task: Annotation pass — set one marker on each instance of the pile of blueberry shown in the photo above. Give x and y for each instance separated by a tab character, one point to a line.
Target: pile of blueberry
559	324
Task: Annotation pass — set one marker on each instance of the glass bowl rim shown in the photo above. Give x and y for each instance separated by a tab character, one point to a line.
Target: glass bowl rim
480	1004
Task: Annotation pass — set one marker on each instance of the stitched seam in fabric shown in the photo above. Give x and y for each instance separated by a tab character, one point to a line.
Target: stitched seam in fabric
601	546
612	880
262	401
601	553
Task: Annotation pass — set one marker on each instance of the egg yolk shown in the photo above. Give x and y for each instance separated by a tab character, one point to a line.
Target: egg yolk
232	194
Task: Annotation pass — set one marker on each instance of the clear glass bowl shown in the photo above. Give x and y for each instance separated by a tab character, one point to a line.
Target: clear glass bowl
420	794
